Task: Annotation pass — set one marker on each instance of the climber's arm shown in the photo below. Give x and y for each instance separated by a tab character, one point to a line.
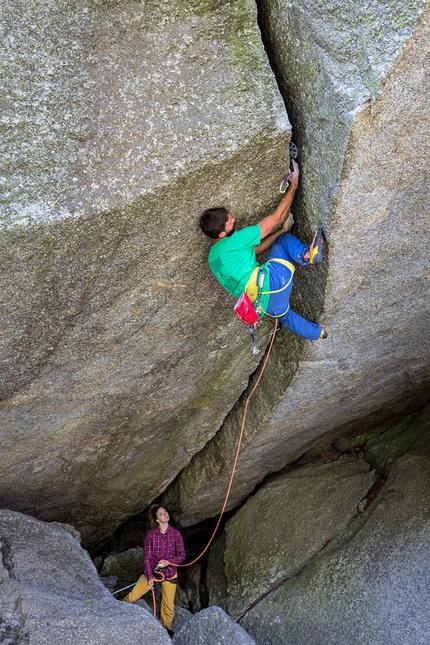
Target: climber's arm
269	239
271	221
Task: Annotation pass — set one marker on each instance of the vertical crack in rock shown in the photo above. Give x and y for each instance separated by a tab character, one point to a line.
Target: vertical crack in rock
363	512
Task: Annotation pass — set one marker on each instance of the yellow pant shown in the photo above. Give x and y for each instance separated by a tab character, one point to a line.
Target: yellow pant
168	591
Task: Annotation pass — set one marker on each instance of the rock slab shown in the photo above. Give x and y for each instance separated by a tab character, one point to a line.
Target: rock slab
285	524
371	586
357	84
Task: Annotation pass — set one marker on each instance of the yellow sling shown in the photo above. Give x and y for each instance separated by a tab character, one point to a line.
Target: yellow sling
251	288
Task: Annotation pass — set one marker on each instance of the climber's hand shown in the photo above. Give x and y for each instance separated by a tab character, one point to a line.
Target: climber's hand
288	223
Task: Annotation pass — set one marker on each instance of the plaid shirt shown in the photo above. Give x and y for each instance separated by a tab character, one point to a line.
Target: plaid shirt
162	546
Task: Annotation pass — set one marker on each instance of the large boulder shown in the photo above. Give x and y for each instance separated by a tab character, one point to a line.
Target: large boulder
356	83
372	584
210	627
51	593
286	523
120	353
126	566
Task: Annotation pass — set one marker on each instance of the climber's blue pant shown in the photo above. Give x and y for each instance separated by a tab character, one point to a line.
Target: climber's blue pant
288	247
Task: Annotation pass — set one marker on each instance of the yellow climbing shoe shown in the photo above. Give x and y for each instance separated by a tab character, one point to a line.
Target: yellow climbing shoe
315	249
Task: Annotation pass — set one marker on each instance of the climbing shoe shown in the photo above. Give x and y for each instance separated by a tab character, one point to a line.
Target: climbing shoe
323	334
294	153
315	249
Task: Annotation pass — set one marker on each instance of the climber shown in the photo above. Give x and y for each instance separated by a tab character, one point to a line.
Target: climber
232	259
163	545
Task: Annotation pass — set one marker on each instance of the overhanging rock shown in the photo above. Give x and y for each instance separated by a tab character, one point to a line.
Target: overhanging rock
374	366
120	354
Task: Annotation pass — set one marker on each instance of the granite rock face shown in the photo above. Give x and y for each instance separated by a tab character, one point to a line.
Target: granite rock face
120	358
120	355
356	83
126	566
372	584
51	593
287	522
209	626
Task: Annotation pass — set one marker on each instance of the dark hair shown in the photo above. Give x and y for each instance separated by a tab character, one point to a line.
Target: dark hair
153	513
213	221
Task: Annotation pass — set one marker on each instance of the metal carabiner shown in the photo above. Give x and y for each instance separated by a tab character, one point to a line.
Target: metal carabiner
253	330
285	183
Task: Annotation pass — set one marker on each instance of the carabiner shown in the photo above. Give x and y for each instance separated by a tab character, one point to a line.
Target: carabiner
253	330
285	183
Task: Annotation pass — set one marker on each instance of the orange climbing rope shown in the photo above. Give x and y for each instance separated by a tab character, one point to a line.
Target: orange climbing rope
239	444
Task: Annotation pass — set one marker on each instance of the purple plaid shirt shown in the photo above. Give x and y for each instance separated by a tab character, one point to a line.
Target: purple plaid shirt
162	546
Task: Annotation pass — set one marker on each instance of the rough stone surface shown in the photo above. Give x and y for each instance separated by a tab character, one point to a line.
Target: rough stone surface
409	436
126	566
212	626
157	110
50	592
218	594
181	617
70	529
373	588
287	522
105	102
370	147
120	354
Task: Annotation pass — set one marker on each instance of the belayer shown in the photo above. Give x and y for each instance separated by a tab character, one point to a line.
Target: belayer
232	260
162	548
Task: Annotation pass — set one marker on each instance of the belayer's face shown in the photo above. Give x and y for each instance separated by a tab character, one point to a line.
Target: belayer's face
162	515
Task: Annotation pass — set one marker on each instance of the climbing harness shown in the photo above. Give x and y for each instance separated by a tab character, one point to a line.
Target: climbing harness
157	569
293	155
248	308
292	268
230	484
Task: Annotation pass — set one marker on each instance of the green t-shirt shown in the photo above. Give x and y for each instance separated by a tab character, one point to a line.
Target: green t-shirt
233	258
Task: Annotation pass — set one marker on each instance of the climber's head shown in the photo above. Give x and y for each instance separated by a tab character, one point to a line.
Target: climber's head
217	222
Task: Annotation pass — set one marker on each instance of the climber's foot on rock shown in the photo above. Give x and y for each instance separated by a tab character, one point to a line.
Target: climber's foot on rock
315	249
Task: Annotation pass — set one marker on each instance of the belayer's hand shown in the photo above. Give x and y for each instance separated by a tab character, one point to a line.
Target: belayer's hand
151	583
163	564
